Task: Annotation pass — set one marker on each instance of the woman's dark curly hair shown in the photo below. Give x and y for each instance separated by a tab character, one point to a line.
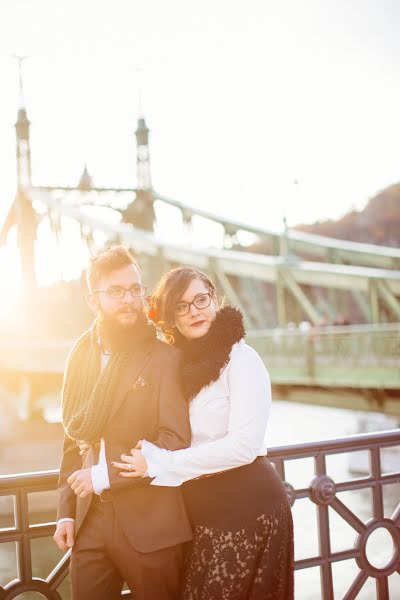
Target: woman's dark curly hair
168	292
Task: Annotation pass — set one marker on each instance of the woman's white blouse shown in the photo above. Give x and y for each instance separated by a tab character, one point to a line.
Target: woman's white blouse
228	419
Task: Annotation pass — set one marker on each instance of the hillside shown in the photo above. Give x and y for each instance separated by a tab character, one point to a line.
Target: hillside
377	223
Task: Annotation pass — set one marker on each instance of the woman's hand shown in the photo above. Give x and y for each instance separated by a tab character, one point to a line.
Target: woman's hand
83	447
133	465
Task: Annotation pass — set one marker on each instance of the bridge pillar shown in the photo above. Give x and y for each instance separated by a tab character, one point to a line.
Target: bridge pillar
26	223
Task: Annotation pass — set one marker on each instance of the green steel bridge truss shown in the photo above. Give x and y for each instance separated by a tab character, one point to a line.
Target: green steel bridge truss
305	279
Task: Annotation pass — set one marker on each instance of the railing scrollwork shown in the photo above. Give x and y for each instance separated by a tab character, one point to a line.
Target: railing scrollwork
323	491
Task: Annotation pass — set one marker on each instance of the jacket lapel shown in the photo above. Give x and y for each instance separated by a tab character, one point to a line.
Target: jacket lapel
133	369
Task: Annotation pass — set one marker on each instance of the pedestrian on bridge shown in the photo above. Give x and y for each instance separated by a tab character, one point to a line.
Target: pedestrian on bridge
239	511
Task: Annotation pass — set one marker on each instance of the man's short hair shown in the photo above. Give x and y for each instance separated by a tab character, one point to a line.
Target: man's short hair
106	262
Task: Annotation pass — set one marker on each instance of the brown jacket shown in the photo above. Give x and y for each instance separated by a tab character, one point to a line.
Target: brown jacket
148	404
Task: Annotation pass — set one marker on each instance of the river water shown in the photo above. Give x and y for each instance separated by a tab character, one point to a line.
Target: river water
289	424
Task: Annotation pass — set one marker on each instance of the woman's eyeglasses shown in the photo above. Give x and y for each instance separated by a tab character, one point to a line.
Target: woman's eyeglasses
200	301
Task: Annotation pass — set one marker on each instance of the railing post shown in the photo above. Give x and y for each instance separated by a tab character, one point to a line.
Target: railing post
324	537
21	511
377	495
382	588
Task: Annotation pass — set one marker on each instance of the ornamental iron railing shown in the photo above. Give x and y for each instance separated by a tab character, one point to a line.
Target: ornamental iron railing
323	491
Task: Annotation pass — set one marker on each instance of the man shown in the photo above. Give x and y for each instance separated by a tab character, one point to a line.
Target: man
121	385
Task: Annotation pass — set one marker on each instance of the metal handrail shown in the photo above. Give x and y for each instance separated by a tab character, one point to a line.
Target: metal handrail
322	491
310	240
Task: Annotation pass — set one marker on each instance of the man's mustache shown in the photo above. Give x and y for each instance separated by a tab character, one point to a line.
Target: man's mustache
128	309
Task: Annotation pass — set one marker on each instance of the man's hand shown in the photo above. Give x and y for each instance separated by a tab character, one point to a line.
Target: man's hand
81	482
64	535
83	447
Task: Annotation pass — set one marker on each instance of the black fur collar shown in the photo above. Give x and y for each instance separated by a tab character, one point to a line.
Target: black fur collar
204	358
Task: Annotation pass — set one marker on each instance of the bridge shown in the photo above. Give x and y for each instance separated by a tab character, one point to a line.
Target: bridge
269	289
290	286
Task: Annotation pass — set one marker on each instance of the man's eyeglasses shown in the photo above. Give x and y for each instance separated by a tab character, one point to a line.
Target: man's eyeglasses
200	301
117	292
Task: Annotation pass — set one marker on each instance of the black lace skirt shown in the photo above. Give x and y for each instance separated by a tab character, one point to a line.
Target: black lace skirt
243	536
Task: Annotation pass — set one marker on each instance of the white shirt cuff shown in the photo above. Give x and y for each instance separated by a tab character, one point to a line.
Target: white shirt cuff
65	519
100	479
159	462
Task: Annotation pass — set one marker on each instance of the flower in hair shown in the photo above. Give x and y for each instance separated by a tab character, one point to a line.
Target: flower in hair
152	314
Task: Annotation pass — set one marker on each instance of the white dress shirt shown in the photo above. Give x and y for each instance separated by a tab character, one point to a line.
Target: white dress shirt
100	479
228	419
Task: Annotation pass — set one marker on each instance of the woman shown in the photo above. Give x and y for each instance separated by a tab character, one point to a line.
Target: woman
243	533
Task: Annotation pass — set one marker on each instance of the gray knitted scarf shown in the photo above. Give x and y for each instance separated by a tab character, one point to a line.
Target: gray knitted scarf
88	391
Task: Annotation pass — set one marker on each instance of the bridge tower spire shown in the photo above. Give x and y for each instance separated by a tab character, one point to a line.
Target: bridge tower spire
140	212
143	173
21	212
22	127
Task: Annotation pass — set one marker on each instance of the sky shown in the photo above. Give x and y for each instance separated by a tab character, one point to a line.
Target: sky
243	99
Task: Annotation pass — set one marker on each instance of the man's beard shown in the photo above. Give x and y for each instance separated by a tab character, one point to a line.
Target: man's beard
116	336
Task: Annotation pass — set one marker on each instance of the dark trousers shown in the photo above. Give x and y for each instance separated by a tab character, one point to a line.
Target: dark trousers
102	559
